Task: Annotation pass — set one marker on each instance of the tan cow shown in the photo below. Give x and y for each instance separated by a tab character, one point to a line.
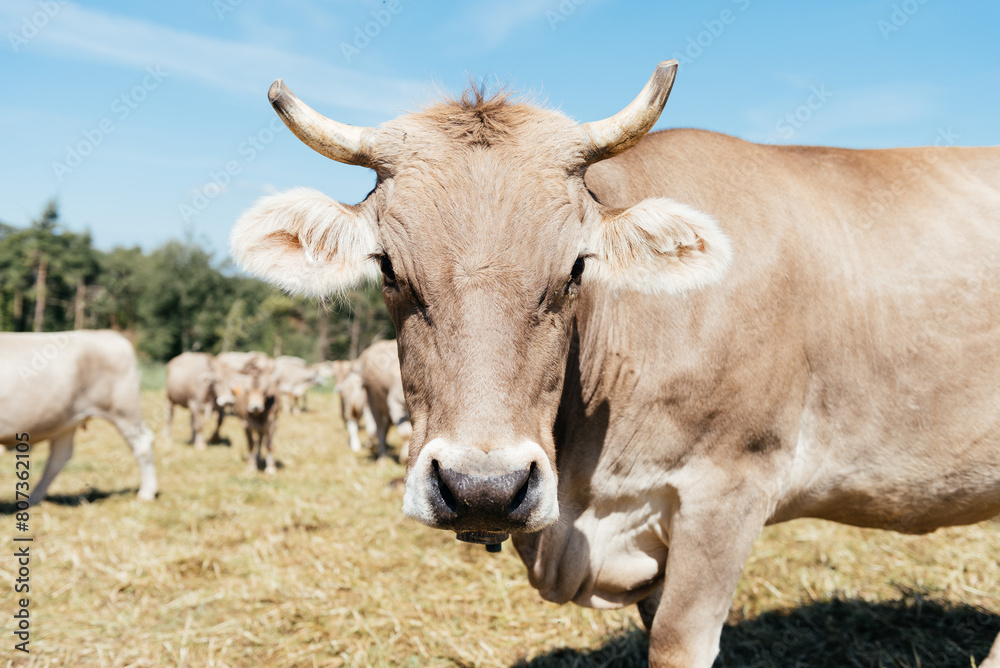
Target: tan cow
55	382
635	354
383	384
195	382
255	389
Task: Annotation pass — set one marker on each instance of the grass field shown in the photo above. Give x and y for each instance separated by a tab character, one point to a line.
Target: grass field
316	566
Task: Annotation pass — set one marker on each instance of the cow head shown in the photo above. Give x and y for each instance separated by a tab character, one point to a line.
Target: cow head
484	235
255	387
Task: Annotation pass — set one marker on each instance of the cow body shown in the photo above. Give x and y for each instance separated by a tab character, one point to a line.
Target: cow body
192	380
633	355
57	381
383	385
836	373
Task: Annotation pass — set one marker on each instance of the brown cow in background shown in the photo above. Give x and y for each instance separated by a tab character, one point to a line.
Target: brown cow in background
255	392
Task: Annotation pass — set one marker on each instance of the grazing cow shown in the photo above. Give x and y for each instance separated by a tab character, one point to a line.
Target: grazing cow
55	382
295	378
380	376
255	389
194	382
635	354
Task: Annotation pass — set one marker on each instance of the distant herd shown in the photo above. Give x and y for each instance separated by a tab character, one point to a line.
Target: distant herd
57	381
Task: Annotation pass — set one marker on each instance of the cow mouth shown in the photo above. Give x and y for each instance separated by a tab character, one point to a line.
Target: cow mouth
493	540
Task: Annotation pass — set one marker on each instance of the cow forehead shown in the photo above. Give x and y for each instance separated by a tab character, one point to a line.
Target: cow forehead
482	214
444	130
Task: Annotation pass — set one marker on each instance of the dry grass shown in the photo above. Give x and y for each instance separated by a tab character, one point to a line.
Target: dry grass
317	567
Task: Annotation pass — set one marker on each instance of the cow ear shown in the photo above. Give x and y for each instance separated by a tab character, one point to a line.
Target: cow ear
657	246
306	243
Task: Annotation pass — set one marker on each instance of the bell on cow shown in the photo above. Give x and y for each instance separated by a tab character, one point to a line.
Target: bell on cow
491	539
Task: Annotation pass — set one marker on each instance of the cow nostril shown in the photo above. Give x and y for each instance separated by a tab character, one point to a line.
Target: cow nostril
518	499
446	494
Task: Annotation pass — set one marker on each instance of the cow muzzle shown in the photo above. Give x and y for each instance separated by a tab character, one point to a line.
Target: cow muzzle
495	491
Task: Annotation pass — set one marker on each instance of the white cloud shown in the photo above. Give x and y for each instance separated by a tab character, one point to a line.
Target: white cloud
240	67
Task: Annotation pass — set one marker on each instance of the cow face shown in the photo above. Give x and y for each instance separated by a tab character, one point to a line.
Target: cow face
484	235
254	389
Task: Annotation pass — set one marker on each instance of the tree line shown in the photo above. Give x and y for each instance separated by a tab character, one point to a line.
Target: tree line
174	298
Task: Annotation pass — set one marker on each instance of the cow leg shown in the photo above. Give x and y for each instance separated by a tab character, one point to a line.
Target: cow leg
217	434
381	430
60	450
252	451
400	417
352	435
993	660
140	439
169	418
268	437
405	431
708	549
369	423
196	414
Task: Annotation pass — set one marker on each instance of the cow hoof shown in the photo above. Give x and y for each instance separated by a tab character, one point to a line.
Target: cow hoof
270	470
146	496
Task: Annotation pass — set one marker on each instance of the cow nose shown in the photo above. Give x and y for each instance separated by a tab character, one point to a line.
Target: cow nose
463	501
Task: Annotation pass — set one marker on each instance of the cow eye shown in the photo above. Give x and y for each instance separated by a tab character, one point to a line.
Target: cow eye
387	272
577	270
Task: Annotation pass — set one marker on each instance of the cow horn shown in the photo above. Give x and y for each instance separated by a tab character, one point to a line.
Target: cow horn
609	137
349	144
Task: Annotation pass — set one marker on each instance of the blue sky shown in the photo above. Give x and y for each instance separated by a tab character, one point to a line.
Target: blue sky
150	121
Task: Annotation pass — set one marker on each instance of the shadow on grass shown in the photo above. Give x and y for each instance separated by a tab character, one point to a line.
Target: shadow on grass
90	496
909	633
